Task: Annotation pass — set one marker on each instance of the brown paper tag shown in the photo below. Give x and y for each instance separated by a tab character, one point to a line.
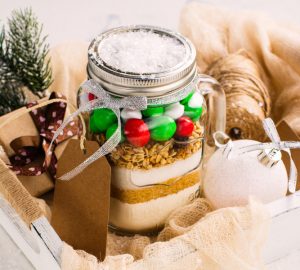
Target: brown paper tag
81	205
286	133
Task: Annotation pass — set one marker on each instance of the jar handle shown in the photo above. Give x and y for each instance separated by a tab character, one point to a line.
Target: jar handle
216	103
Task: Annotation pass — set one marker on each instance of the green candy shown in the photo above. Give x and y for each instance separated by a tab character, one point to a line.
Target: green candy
193	113
186	99
111	130
103	119
162	128
93	127
152	111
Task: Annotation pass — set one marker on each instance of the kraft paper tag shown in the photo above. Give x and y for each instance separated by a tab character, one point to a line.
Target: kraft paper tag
81	205
286	133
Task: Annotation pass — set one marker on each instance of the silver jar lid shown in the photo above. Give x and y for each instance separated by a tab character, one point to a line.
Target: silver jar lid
122	83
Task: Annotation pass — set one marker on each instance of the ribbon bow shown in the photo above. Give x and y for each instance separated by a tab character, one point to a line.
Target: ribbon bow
47	120
103	100
223	141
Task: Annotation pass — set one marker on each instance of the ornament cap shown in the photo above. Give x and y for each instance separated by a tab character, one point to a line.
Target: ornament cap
269	157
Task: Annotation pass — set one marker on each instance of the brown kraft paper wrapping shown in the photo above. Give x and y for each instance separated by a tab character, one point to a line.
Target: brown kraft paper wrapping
22	129
81	205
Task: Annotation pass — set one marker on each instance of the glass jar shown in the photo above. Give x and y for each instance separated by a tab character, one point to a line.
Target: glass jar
156	160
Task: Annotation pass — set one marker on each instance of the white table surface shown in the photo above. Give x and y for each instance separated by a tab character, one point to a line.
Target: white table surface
82	20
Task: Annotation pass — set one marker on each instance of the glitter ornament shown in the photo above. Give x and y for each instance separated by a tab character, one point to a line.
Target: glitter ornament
185	127
231	181
137	132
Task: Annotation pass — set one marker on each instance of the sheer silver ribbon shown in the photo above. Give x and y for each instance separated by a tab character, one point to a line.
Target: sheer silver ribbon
223	141
103	100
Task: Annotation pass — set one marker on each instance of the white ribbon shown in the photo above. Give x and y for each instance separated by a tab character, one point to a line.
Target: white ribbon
223	141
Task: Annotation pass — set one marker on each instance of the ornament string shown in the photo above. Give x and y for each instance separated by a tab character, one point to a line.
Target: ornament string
223	141
105	100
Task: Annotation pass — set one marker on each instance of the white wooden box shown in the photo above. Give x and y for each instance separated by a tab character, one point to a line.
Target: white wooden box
283	241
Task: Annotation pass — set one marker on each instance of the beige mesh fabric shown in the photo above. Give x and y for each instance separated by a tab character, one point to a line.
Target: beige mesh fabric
273	46
182	220
135	245
227	239
179	222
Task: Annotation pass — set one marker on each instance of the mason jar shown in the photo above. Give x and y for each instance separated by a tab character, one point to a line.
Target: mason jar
156	159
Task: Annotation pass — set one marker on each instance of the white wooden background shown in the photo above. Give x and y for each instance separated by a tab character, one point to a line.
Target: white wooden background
82	20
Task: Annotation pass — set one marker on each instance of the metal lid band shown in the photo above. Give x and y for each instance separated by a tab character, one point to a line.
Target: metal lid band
124	83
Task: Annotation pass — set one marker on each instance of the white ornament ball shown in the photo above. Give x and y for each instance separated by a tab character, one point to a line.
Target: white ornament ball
230	182
174	110
196	100
130	114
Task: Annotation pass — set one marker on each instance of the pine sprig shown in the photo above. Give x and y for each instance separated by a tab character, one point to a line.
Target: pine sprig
11	95
28	50
23	51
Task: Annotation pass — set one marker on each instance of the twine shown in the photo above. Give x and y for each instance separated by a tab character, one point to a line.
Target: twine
247	97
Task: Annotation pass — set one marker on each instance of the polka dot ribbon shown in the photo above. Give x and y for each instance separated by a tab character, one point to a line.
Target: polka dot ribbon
223	141
32	160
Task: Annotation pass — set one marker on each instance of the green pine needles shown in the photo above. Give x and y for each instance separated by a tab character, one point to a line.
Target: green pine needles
23	63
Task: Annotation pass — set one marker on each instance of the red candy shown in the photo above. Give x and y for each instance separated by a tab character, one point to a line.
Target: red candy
91	96
185	126
137	132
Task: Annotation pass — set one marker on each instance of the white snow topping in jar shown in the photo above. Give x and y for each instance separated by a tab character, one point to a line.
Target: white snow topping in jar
141	52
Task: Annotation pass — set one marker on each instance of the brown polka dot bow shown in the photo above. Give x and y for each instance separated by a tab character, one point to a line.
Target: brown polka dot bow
33	158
